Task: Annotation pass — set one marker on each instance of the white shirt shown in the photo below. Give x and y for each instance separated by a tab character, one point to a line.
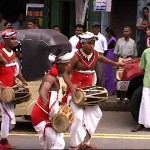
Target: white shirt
74	40
100	44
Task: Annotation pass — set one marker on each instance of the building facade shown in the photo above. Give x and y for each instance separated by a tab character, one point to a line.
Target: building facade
63	13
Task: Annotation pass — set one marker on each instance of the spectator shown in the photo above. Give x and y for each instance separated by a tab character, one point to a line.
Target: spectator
141	28
75	39
125	49
145	15
109	70
144	111
143	37
32	23
56	28
20	23
100	47
2	22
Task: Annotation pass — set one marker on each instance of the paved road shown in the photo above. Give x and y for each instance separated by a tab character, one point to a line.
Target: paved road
113	132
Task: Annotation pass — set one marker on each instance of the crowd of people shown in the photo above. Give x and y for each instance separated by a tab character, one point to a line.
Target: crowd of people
91	62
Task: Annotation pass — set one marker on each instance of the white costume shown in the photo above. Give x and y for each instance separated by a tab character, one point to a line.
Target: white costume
144	113
8	119
85	120
48	137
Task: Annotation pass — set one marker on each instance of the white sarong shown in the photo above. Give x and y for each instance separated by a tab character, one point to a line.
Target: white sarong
52	139
144	112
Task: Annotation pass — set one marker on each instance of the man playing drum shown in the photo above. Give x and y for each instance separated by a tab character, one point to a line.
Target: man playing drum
82	70
47	105
9	70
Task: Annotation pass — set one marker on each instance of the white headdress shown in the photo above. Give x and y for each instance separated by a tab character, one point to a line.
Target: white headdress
61	58
87	36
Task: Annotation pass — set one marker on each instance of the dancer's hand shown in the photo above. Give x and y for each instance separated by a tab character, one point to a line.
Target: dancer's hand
73	88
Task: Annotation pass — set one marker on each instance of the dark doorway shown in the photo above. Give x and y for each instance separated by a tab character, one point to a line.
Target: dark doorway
11	8
68	17
124	13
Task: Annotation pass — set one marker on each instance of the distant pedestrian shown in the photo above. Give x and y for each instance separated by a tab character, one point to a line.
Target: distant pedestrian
145	15
32	23
19	24
56	28
142	43
109	70
125	49
141	26
100	47
75	39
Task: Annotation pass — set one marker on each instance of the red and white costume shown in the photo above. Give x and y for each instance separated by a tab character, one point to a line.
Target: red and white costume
85	119
41	119
7	78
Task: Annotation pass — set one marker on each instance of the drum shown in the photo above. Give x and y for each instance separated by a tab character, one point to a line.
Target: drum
16	94
63	119
89	96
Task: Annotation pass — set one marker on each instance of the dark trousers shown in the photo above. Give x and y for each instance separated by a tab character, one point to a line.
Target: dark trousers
100	74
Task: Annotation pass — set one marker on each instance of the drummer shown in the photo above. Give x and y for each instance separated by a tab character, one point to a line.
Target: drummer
47	104
81	68
9	70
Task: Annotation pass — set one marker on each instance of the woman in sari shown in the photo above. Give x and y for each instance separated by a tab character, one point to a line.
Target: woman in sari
109	70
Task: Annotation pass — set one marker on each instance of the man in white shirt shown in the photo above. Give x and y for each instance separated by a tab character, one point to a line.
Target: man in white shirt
75	39
101	47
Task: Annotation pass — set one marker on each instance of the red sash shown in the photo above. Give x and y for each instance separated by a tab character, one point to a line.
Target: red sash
38	115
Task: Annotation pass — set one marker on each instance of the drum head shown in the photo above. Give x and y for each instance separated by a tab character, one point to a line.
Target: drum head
79	97
60	123
7	95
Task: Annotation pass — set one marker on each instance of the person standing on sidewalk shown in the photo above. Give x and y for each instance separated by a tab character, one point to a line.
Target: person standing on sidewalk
9	70
75	39
144	111
47	104
125	50
141	28
79	74
110	82
100	47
